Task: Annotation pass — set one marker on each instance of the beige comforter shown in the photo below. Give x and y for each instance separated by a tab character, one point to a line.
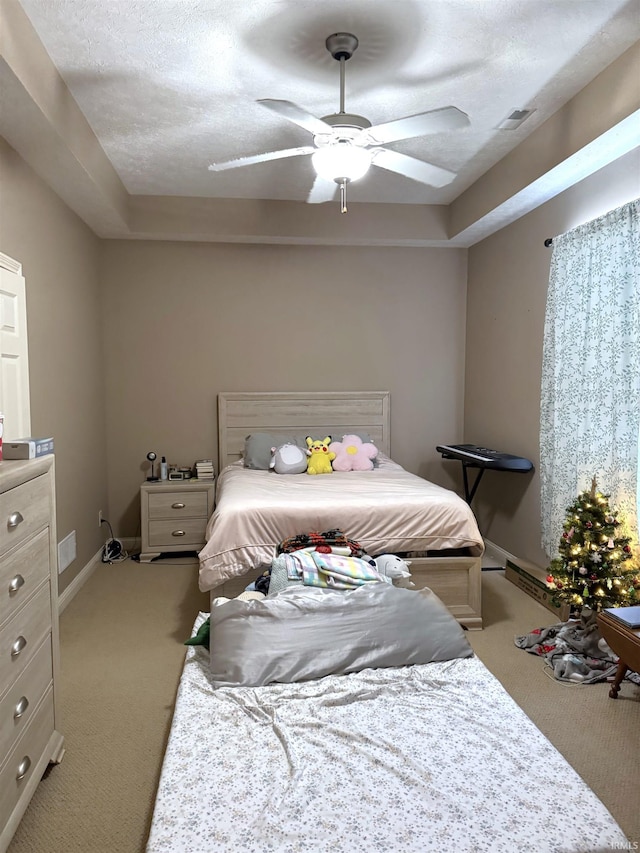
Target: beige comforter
387	510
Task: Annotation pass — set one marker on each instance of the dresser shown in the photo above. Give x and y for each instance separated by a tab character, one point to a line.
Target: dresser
29	656
174	516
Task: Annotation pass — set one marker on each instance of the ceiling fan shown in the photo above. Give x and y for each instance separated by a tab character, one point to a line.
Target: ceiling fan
346	145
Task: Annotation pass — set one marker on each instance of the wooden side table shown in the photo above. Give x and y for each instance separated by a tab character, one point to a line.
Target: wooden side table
174	516
625	643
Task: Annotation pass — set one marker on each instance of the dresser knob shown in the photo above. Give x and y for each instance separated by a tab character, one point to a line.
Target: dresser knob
21	707
178	533
18	646
23	768
15	519
177	505
15	584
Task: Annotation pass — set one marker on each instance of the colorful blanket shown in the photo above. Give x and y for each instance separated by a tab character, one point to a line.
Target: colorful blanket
328	571
330	541
316	540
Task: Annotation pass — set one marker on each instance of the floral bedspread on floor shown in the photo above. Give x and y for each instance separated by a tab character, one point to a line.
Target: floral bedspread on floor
435	757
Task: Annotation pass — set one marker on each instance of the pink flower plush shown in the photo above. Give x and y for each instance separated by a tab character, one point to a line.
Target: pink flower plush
352	454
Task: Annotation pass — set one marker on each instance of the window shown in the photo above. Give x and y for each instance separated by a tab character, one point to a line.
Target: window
590	396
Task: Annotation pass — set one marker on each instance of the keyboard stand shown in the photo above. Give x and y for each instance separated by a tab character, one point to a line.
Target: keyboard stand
482	458
468	495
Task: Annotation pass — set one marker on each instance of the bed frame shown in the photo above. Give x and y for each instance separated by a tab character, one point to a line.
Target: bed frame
456	580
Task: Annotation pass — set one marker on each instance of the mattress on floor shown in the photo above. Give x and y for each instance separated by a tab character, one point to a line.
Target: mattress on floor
434	757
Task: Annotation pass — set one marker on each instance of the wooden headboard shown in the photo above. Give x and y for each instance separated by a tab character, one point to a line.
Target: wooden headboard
316	413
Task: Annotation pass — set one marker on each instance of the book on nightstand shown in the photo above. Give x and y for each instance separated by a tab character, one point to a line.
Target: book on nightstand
204	469
629	616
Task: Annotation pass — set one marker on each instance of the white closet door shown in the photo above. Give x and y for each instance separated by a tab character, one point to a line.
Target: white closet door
14	353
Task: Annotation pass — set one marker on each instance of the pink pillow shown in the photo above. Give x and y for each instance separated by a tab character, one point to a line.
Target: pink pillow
352	454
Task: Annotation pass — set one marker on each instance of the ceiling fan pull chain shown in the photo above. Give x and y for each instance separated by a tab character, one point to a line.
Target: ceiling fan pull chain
343	196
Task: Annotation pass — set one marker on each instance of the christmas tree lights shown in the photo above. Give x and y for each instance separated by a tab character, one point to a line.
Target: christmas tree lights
593	568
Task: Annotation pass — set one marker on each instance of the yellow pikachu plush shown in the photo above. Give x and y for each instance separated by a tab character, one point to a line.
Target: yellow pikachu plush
320	457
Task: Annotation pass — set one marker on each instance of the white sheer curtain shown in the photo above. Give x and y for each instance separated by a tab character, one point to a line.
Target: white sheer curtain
590	399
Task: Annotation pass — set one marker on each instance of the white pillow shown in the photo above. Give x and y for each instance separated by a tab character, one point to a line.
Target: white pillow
303	633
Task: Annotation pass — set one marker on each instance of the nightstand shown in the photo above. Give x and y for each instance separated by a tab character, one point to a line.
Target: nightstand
174	516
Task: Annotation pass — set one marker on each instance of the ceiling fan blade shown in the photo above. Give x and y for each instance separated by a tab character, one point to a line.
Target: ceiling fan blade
410	167
261	158
434	121
321	191
297	115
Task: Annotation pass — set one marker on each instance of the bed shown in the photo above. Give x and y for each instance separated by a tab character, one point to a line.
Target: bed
302	733
387	510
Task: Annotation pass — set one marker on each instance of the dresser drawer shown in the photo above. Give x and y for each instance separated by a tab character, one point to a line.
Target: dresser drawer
187	532
192	504
20	701
20	637
24	511
24	757
22	570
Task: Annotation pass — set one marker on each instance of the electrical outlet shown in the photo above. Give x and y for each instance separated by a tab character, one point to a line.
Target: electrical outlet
99	518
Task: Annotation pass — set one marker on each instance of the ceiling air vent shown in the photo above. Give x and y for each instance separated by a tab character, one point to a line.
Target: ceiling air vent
514	119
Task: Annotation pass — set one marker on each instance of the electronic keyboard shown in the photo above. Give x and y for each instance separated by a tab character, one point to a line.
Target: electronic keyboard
484	457
474	456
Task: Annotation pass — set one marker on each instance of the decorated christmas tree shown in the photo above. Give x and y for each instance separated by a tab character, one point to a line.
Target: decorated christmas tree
593	569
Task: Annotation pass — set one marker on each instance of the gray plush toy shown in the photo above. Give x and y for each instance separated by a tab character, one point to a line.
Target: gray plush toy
288	459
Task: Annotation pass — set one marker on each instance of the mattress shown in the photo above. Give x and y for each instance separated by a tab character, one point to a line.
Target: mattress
433	757
387	510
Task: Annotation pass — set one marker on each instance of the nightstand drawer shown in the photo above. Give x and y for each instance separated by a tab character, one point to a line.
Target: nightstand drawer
21	700
187	532
23	511
193	504
25	757
21	572
20	638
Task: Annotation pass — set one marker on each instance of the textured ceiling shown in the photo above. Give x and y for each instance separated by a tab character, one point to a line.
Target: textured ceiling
169	86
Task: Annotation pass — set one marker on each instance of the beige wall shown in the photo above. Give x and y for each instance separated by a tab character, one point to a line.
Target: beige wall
183	321
507	288
131	341
59	256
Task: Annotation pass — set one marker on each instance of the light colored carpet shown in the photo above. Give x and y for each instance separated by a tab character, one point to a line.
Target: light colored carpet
122	654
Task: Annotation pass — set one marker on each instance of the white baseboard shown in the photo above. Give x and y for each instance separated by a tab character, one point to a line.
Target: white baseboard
500	556
496	554
79	581
128	543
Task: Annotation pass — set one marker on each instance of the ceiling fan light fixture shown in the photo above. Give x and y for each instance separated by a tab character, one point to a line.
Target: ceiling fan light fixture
341	162
345	145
